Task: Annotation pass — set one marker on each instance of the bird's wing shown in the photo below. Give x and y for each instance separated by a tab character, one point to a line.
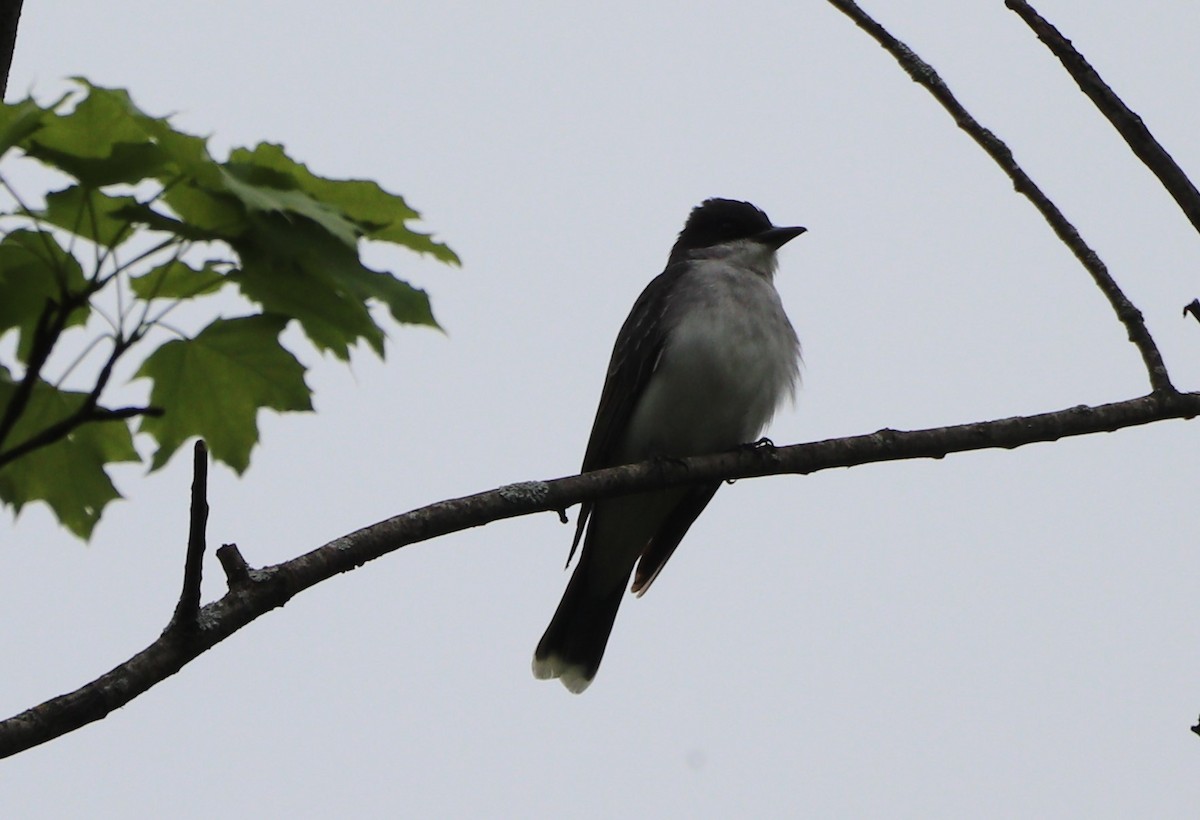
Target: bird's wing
634	357
660	548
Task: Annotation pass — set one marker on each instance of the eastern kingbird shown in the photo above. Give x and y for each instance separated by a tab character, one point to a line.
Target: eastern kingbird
701	364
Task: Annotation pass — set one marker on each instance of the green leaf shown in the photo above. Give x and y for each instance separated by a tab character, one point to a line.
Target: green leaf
206	212
105	139
271	192
186	154
223	202
333	321
178	280
35	270
18	121
141	213
295	238
295	268
416	241
69	474
103	118
126	163
91	214
291	267
408	305
379	215
213	386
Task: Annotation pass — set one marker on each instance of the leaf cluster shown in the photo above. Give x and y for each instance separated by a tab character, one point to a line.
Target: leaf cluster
147	222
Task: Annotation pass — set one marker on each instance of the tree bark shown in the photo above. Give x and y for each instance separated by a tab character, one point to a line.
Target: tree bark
10	16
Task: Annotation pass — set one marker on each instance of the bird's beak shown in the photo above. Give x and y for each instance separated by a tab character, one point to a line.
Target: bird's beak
776	238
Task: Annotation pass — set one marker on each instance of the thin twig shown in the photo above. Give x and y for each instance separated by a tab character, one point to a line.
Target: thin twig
61	429
94	224
187	611
111	251
46	239
925	75
237	571
49	327
78	360
124	266
1128	124
142	324
88	411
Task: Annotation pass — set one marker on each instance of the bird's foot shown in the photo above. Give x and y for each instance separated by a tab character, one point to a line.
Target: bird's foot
763	443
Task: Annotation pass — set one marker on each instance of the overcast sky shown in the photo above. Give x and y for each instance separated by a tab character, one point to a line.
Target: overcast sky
997	634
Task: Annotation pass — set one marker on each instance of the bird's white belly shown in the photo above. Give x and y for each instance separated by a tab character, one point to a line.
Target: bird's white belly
728	364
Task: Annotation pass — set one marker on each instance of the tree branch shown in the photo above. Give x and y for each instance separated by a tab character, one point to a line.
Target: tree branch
10	16
237	571
924	74
61	429
88	411
49	327
254	592
1128	124
187	611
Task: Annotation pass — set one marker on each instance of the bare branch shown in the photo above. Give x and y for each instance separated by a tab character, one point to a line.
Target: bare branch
187	611
254	592
1127	123
49	327
63	428
10	16
925	75
237	571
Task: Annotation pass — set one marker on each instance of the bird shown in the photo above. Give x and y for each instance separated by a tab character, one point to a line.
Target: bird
704	360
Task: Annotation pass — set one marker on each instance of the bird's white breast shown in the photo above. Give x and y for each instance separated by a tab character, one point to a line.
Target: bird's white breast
730	359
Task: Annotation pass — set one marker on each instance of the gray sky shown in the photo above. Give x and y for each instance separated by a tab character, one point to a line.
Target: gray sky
997	634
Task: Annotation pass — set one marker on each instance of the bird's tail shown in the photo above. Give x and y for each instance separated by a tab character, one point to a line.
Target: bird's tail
574	642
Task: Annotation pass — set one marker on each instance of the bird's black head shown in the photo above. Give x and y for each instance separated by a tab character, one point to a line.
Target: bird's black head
720	221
